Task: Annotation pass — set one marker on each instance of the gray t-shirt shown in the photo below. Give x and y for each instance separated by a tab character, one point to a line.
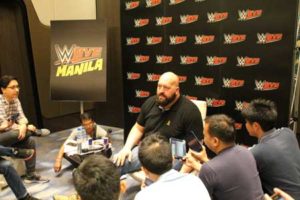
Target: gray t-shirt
232	174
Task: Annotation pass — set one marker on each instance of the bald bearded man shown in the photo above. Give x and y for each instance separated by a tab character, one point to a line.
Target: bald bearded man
168	113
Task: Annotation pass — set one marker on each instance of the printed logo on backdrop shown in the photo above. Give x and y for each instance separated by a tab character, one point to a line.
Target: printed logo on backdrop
188	19
141	22
151	40
245	15
203	81
240	105
266	85
175	39
234	38
214	60
132	41
190	97
152	3
76	60
131	5
187	60
175	2
141	58
238	126
152	77
162	59
232	83
133	76
212	102
182	79
134	109
265	38
141	93
216	17
247	61
204	39
161	21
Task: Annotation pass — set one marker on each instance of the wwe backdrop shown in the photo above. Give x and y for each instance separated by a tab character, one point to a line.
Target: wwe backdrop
225	52
78	60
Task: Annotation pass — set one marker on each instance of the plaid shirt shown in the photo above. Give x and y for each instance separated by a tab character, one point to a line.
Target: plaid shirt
9	109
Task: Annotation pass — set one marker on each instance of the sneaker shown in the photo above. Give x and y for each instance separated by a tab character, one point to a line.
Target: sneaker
34	178
25	154
63	197
42	132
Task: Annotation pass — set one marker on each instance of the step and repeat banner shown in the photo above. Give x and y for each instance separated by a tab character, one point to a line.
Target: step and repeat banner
78	60
225	52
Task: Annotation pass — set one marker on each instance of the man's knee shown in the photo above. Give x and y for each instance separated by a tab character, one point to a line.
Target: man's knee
5	165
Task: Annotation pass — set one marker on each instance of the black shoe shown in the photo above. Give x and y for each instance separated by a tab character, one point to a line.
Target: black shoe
25	154
34	178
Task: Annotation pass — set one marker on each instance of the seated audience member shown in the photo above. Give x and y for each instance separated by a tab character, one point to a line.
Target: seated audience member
277	153
10	174
281	194
167	112
97	178
92	131
156	158
14	128
232	174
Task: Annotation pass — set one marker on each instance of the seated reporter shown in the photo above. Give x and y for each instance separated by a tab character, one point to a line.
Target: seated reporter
232	174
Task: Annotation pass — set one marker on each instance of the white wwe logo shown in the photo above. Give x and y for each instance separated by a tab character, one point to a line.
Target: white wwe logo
150	77
183	60
261	38
149	40
137	22
159	59
242	15
198	39
148	3
241	61
259	85
183	19
172	40
209	101
64	55
239	105
211	17
197	80
226	82
227	38
210	60
159	21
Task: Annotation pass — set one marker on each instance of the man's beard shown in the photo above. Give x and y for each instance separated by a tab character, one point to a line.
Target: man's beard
166	101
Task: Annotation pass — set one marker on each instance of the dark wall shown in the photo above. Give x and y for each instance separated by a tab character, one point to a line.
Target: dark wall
16	54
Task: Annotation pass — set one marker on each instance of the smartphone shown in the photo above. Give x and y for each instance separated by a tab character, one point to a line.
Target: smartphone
178	148
277	197
193	142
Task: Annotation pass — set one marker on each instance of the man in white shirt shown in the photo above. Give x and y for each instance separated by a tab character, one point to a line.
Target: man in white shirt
156	158
92	131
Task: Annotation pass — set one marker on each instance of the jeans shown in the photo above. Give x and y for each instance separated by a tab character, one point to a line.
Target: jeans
12	178
10	139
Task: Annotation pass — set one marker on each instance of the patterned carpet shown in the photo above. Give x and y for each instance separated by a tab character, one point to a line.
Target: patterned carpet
61	183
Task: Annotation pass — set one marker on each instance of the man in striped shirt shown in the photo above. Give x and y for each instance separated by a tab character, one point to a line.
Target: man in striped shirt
14	128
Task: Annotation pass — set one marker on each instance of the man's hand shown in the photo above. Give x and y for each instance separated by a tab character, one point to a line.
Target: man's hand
22	131
281	193
6	124
120	158
202	155
31	127
57	165
192	162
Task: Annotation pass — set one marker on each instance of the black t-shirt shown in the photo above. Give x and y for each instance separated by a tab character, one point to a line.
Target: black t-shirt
181	119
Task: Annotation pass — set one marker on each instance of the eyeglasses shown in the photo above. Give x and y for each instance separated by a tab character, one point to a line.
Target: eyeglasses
14	87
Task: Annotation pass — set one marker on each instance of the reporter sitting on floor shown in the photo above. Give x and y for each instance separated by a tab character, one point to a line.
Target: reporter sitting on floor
156	158
14	128
92	131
